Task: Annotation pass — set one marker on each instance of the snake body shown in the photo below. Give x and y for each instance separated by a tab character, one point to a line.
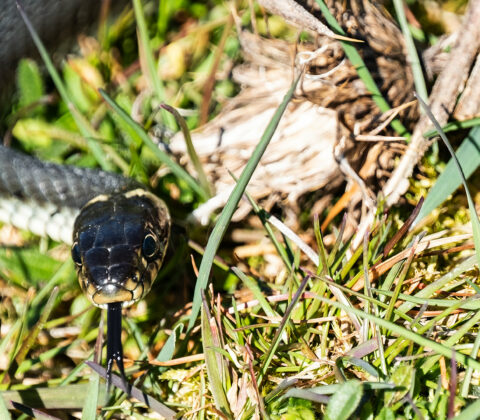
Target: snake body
45	198
118	230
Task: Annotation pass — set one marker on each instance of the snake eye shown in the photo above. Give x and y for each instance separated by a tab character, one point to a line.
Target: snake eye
149	246
76	254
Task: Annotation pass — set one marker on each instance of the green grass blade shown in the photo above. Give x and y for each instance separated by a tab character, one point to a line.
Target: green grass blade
89	411
312	255
469	373
137	393
454	126
470	303
163	17
214	367
333	255
64	397
263	216
45	57
257	293
472	412
399	283
362	70
29	341
413	59
152	68
227	213
449	180
322	266
176	169
4	413
276	339
471	204
192	153
12	365
87	131
364	297
399	344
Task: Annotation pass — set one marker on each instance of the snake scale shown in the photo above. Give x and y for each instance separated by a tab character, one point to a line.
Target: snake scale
118	230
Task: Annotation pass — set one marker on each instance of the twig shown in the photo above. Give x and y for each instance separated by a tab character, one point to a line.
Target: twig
442	101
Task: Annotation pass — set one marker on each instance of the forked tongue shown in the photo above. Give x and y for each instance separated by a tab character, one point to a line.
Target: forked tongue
114	343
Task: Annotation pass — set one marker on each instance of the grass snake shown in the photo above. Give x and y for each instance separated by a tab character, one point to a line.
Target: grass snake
118	230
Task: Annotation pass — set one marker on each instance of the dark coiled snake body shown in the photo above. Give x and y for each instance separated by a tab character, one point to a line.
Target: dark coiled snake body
118	230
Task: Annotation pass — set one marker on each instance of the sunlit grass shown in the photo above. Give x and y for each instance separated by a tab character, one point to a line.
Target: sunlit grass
372	332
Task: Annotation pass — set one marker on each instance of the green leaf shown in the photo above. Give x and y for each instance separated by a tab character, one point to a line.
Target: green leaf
402	376
168	348
27	264
340	362
33	133
77	89
29	82
345	401
386	413
299	409
449	180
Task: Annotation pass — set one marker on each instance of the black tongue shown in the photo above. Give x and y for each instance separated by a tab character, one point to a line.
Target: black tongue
114	343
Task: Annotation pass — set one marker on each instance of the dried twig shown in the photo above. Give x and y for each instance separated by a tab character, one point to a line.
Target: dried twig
292	12
442	100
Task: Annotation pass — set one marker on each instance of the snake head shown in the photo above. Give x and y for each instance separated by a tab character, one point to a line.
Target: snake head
119	242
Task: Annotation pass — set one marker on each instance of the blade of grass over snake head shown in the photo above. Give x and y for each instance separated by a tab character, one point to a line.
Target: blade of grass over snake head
227	213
